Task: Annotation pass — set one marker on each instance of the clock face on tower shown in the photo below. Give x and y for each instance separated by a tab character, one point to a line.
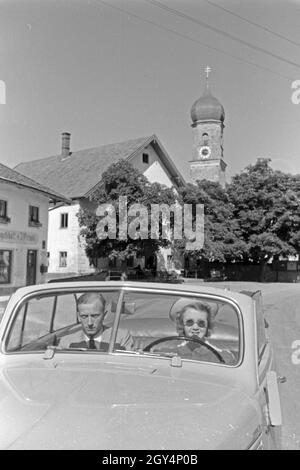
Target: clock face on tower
204	152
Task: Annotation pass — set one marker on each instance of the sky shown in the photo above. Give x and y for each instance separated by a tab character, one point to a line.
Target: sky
113	70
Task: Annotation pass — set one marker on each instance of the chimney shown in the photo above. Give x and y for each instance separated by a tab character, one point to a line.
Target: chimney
65	144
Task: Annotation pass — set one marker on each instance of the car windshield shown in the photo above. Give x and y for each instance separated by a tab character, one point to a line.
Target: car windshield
146	322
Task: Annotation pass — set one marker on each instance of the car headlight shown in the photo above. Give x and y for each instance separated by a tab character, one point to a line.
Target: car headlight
257	444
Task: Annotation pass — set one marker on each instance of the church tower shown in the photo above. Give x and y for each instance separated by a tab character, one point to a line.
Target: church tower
208	116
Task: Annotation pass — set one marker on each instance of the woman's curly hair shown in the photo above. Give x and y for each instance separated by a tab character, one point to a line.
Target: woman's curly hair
200	306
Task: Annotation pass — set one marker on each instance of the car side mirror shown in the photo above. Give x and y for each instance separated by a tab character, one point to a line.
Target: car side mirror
274	407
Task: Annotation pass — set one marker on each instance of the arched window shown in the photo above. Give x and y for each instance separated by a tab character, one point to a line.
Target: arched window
205	138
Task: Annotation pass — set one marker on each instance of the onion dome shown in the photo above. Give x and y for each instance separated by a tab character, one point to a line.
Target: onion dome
207	107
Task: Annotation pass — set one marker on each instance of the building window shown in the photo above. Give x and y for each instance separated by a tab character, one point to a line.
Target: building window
205	138
48	254
34	216
186	262
5	266
3	211
169	261
62	259
145	158
112	263
3	208
130	261
64	220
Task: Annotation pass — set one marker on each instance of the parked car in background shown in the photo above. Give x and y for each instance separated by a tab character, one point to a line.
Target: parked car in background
151	394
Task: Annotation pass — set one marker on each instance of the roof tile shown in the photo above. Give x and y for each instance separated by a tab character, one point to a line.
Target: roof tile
14	176
76	174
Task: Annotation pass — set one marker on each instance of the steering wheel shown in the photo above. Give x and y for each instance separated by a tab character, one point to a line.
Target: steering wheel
196	340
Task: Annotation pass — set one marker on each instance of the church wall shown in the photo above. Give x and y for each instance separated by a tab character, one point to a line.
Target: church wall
215	139
209	170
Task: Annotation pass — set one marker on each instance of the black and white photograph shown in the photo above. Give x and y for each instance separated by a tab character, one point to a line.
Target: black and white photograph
149	227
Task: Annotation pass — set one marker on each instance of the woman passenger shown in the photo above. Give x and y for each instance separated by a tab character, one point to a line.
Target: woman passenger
194	321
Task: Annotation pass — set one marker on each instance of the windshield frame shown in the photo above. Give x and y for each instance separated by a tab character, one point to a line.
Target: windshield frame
201	296
122	290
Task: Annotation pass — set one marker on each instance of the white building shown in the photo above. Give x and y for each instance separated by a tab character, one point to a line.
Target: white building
77	174
23	229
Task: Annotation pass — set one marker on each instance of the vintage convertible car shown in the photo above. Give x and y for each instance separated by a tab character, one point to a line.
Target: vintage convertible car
57	394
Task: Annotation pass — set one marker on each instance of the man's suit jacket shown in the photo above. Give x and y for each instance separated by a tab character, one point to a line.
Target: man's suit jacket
79	340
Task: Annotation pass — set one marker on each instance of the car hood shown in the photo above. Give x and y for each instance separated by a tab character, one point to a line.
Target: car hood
70	405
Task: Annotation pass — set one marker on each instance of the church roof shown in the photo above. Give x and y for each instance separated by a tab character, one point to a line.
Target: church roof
207	107
78	174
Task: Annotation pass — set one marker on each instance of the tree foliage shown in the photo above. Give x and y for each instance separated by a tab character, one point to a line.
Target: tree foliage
266	206
222	240
122	179
254	219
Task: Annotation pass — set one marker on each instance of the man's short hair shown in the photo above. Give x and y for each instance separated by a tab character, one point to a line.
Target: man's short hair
91	297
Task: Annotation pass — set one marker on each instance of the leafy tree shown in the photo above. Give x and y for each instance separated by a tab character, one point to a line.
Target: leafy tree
254	219
221	230
266	206
122	179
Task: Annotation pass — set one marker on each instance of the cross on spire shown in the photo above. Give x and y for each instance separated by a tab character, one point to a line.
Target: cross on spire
207	72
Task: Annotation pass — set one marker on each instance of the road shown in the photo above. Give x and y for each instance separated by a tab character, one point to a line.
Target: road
282	310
